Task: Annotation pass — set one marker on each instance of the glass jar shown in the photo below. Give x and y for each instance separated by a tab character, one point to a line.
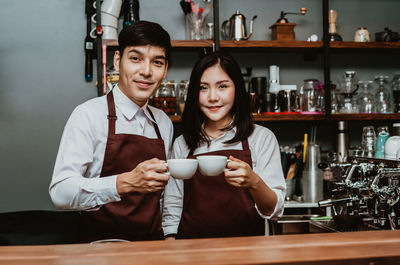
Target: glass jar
308	95
165	98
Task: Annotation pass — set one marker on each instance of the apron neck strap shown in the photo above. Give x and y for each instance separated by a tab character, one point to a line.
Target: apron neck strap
154	124
112	117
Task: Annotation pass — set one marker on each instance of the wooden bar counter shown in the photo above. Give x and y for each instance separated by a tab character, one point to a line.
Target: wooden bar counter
371	247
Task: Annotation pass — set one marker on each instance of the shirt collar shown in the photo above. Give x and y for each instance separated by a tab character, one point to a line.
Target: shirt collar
225	136
127	107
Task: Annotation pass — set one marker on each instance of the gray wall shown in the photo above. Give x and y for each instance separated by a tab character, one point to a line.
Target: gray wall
42	73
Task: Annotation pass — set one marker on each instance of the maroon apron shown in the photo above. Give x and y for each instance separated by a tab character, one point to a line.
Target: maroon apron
137	216
214	208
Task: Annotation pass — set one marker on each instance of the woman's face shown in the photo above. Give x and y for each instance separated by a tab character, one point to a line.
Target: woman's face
217	95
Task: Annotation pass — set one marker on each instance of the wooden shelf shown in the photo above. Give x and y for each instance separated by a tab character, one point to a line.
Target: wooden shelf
364	45
192	43
272	117
365	117
314	117
288	117
174	43
275	44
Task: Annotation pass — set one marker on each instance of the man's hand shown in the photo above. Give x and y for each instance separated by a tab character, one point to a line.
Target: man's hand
148	176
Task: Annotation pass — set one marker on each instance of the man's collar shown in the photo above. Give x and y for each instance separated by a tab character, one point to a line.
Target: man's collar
127	107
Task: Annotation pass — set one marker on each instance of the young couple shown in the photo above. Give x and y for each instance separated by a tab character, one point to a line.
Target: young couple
111	161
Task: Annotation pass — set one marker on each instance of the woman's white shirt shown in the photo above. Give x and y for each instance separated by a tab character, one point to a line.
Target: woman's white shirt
266	162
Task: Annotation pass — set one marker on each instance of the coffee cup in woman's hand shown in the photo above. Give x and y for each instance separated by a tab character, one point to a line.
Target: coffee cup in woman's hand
212	165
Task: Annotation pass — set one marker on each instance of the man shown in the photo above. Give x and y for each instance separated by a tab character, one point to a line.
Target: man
111	160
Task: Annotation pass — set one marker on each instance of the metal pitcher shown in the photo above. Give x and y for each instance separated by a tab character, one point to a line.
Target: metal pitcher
237	27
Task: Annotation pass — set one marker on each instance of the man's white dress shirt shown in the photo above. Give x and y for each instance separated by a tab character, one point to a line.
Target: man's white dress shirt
76	182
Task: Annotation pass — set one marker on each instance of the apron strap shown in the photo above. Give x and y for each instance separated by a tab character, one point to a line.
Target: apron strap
245	144
112	117
154	124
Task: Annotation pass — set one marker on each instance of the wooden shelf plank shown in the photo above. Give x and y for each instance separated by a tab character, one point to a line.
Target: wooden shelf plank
314	117
191	43
364	45
272	117
175	43
366	117
271	44
276	44
288	117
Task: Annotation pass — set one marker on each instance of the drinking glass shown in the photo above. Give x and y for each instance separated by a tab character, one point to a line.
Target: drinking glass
368	141
181	95
349	104
195	26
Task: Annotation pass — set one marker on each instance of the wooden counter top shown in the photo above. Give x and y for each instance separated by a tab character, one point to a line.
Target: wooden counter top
371	247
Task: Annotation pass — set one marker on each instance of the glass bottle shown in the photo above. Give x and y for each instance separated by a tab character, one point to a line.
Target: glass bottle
396	93
383	104
383	135
334	99
131	12
366	98
333	36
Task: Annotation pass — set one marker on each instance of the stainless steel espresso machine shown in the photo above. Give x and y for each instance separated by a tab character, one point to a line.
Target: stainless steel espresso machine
365	194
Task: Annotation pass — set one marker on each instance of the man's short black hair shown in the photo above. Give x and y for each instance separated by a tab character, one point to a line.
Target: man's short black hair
142	33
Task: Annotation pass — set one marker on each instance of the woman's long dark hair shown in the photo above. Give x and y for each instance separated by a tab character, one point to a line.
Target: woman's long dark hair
193	117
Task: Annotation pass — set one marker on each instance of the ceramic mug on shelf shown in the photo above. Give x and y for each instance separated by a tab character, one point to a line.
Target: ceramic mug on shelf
362	35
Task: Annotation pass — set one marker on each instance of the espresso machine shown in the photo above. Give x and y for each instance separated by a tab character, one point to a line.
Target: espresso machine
365	194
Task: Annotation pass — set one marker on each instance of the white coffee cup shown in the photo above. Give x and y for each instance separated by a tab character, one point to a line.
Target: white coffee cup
212	165
182	168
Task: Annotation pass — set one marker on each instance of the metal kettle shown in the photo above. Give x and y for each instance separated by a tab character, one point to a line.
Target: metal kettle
237	27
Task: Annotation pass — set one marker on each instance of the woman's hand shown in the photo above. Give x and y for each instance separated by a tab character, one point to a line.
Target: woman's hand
240	174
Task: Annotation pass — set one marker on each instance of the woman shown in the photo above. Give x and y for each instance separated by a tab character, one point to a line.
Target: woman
217	121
